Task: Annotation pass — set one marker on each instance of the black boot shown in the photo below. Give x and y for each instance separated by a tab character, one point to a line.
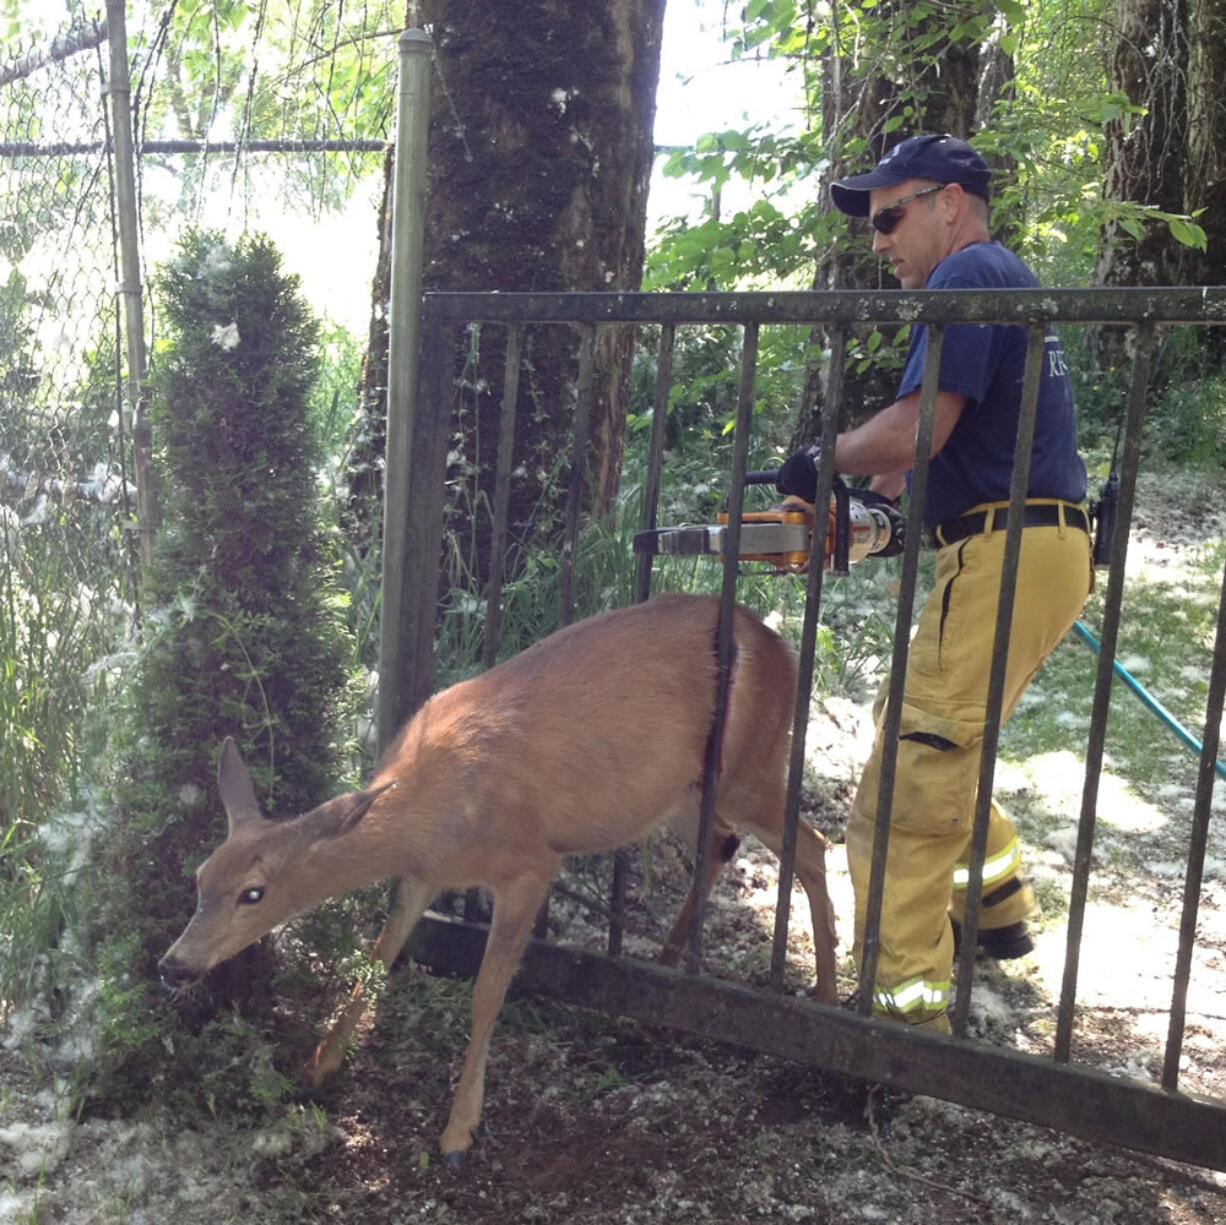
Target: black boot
1001	943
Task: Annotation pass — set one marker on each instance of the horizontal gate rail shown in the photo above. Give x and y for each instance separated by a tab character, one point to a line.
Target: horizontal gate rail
1205	304
1081	1102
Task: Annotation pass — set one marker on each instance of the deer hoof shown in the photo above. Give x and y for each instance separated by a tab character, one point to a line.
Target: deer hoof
454	1158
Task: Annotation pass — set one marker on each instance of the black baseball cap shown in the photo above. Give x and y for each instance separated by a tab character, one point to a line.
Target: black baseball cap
943	159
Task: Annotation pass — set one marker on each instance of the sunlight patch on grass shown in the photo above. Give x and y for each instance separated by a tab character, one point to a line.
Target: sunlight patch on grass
1054	780
1127	961
1045	793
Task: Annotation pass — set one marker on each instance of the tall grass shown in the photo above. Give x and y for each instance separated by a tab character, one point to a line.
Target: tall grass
64	616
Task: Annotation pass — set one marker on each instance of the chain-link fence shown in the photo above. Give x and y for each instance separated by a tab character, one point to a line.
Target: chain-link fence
65	487
80	231
60	431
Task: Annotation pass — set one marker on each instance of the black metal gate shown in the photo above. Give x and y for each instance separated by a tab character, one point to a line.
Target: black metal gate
1053	1090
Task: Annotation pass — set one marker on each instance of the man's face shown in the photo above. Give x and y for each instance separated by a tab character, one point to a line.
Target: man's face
920	240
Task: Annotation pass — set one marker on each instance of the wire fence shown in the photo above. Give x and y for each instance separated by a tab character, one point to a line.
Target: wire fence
65	489
60	429
81	228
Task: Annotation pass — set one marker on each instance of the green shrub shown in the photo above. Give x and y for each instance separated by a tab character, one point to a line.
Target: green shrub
1188	423
245	628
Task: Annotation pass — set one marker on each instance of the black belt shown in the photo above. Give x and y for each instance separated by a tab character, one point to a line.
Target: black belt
1044	514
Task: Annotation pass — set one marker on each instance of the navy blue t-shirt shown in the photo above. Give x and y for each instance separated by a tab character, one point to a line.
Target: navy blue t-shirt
984	362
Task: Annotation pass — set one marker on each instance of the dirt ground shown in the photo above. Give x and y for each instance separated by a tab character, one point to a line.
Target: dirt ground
598	1120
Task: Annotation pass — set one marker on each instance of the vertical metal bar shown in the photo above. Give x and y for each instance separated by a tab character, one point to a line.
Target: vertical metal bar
408	235
578	474
724	637
1141	361
617	902
502	497
655	455
1205	779
120	90
892	717
423	539
574	507
808	646
416	513
498	534
1032	374
642	586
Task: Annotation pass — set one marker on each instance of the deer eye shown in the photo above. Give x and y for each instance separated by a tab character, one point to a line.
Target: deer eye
249	897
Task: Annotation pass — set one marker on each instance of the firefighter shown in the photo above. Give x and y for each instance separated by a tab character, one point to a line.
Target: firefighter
927	203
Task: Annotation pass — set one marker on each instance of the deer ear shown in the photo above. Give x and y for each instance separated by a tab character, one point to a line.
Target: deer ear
340	815
237	791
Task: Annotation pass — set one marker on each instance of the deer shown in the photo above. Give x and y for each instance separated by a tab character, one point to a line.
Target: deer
582	743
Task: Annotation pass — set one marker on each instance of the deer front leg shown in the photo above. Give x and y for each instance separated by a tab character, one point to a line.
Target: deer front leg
515	909
409	901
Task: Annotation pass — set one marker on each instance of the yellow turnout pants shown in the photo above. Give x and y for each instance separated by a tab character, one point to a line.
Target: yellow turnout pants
939	751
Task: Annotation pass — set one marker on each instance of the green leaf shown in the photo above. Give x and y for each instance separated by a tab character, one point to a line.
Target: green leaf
1187	233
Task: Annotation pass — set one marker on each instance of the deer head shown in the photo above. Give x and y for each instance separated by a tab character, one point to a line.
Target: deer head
264	873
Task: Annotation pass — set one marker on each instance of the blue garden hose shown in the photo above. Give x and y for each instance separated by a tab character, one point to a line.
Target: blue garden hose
1147	698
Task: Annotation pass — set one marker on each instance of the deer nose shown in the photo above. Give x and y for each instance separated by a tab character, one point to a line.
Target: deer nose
175	973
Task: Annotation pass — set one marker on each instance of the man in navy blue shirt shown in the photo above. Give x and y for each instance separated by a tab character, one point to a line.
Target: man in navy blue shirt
927	201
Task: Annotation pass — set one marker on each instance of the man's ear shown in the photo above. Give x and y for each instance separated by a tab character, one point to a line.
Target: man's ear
953	201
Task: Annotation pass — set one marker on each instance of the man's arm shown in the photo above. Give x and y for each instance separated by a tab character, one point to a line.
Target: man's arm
884	446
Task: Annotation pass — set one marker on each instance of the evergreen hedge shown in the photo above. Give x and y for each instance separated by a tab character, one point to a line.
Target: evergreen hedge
246	637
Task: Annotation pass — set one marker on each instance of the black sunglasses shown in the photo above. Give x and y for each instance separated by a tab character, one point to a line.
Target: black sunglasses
885	219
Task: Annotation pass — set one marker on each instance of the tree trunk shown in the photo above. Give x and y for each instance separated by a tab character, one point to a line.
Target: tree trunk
1147	156
540	158
862	106
1206	179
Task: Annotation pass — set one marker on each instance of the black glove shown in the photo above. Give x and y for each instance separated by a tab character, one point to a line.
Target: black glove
870	497
798	474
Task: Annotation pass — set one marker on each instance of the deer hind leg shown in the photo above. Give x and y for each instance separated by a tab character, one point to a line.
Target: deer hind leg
760	809
811	868
515	910
724	843
410	898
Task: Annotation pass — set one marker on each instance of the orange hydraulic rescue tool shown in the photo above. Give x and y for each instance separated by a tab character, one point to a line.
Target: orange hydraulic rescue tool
782	536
